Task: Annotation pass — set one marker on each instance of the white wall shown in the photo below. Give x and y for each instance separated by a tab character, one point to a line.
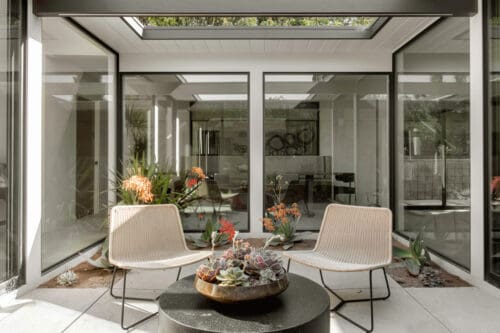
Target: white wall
356	61
476	148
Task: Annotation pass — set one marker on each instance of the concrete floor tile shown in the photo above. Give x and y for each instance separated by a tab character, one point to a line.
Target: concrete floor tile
49	310
466	309
105	314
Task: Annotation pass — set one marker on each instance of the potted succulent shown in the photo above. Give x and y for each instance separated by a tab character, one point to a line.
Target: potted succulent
242	273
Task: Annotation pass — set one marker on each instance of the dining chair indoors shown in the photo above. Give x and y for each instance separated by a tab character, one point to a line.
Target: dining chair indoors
351	239
147	237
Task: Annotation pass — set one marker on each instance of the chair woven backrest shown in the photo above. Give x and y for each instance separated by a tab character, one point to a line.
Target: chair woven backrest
144	232
356	234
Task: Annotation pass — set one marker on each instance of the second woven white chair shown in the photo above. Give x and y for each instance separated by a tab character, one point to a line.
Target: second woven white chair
351	239
147	237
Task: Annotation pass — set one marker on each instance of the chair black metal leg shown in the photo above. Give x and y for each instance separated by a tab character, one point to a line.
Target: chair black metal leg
178	273
288	265
123	308
120	296
371	300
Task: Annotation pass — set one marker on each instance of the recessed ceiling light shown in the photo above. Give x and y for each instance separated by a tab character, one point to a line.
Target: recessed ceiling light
210	78
289	78
289	97
220	97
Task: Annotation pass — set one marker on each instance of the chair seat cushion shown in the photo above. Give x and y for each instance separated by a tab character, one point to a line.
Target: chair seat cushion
162	261
331	261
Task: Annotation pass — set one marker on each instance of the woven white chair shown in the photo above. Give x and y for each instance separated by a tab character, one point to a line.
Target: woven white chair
148	237
351	239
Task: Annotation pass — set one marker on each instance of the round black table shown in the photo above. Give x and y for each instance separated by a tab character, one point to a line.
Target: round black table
303	307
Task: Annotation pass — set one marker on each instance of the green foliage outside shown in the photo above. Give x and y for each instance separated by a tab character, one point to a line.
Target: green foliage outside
214	21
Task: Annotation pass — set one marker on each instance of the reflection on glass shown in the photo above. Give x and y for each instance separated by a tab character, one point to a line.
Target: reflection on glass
10	85
185	120
493	251
78	97
327	136
432	140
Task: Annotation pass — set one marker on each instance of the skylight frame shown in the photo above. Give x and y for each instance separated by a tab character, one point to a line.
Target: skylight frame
255	32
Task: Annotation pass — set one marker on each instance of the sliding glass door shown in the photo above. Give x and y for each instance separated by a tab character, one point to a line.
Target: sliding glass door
78	140
186	120
432	137
11	28
325	141
493	154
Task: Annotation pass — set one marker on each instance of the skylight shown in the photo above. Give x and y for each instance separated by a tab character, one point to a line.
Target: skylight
218	21
254	27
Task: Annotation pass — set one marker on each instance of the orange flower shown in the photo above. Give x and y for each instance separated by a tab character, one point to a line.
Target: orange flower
226	227
198	172
141	186
268	224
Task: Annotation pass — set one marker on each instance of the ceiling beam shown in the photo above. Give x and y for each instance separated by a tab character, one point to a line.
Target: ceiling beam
255	7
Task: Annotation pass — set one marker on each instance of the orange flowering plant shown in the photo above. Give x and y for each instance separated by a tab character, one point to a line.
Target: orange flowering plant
149	183
282	221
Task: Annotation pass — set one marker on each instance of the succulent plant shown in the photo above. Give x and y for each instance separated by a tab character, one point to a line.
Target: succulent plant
239	250
233	277
67	279
267	276
261	259
207	272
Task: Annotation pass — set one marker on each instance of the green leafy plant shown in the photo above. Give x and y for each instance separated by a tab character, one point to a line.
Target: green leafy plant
415	257
137	126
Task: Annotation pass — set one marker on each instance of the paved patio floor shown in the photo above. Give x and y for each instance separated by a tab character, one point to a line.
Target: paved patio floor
466	309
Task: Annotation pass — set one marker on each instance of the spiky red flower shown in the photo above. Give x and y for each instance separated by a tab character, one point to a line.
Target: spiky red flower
226	227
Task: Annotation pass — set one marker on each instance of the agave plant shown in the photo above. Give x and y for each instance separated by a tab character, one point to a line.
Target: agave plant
233	277
415	257
262	259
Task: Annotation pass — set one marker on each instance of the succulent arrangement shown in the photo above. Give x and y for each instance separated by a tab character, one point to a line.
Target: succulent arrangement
242	265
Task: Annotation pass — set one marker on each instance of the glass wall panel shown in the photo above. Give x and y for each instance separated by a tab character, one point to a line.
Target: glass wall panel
79	96
327	136
11	42
493	231
184	120
432	139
